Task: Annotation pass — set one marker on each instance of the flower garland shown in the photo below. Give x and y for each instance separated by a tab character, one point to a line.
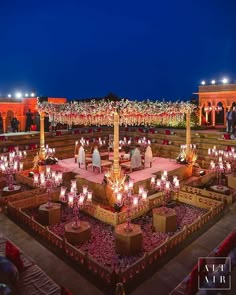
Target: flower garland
101	112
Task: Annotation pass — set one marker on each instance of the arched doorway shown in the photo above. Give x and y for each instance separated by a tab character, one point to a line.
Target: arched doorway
10	115
219	111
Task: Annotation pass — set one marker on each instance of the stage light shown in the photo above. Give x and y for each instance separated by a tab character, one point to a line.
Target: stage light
225	80
202	172
32	94
203	82
9	95
18	94
213	81
26	95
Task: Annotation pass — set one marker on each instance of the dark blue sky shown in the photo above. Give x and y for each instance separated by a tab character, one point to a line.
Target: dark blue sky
136	49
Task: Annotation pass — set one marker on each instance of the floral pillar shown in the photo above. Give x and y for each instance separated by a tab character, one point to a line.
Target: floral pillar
42	140
213	116
188	132
116	165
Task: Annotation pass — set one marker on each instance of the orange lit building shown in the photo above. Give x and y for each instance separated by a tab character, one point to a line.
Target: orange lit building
13	107
214	102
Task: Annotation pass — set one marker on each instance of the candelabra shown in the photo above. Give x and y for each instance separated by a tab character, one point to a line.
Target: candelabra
48	180
76	201
222	163
187	155
10	164
130	201
166	187
83	142
220	168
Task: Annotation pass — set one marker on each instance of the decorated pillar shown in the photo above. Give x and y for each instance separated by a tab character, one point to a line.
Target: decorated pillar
207	117
188	132
213	116
200	115
116	165
4	122
42	139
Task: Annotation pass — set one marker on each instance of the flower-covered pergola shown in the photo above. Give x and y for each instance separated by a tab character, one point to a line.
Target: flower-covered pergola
100	112
114	113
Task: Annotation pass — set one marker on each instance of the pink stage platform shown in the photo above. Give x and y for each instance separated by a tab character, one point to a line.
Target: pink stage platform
159	164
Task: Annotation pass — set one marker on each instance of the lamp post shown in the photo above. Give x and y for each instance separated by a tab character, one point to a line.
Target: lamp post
48	180
131	201
220	168
166	187
76	201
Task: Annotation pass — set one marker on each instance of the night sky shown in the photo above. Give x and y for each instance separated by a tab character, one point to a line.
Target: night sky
135	49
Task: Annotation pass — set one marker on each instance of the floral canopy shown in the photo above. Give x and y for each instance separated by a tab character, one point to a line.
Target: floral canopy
100	112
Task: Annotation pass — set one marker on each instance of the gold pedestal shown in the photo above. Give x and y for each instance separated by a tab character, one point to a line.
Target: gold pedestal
49	215
128	242
77	235
164	220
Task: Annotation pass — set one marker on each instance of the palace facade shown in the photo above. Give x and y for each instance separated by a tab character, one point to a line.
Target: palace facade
214	102
13	107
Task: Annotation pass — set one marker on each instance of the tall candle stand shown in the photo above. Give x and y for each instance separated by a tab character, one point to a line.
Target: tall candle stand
48	180
166	187
131	201
76	201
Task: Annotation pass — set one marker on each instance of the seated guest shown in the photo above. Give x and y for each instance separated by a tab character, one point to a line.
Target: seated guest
148	157
136	161
81	156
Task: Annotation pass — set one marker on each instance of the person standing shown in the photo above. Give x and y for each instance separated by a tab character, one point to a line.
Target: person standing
229	119
29	120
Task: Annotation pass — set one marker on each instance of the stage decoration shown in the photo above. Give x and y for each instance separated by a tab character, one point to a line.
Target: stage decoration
131	112
11	164
48	180
166	187
131	201
189	157
76	201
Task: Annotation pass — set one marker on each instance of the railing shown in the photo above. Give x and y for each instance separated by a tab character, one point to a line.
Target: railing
107	274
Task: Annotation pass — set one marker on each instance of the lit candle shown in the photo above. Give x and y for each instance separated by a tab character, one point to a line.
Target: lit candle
63	193
140	190
73	185
209	152
135	201
60	175
48	170
76	143
176	183
21	166
116	190
167	185
36	178
89	196
220	159
153	180
144	195
165	173
126	187
70	199
175	178
119	197
85	189
131	184
158	183
81	198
